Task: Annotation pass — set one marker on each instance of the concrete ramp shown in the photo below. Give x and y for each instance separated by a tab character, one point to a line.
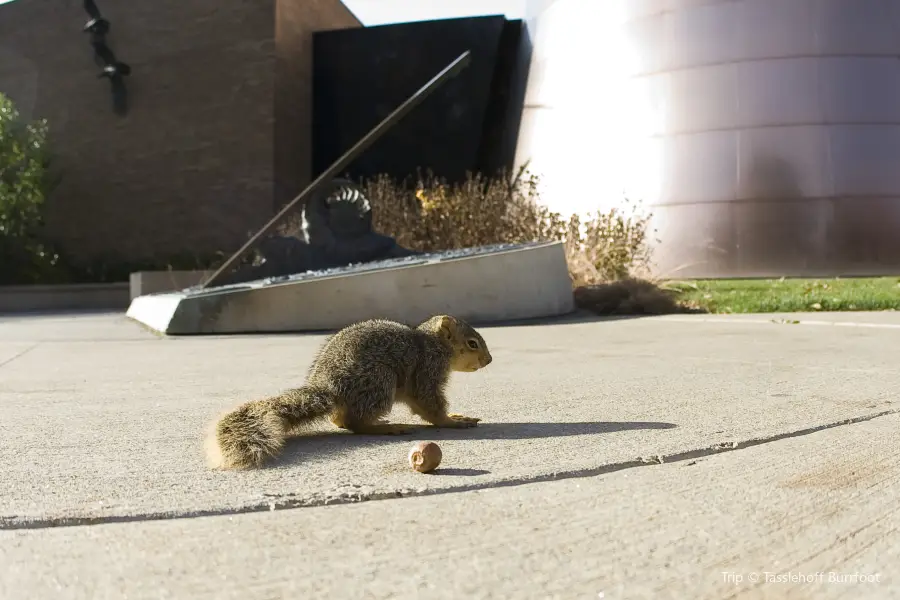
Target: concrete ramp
485	284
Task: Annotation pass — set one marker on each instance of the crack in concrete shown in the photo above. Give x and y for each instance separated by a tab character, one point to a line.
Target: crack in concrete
290	501
19	355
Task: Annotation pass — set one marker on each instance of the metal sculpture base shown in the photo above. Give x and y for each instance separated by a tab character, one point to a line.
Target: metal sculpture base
486	284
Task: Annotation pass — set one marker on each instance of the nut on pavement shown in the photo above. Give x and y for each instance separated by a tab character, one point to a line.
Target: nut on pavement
425	457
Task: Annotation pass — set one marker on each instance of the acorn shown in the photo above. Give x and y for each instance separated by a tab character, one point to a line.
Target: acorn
425	457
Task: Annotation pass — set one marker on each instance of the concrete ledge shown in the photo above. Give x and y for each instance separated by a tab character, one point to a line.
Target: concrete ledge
86	296
154	282
489	284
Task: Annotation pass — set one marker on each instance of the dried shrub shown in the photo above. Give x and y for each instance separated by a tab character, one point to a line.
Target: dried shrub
609	246
629	296
608	254
432	215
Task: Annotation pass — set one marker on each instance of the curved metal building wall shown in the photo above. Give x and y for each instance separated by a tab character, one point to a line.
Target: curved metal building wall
763	134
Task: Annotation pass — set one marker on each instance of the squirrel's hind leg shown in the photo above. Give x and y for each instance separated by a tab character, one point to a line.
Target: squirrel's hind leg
364	411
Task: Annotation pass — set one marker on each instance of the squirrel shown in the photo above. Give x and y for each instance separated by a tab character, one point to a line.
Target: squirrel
355	378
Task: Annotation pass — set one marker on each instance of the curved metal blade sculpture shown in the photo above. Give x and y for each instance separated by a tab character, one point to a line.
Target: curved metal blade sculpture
113	69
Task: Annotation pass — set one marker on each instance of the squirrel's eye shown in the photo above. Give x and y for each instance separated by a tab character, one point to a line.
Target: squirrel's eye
472	344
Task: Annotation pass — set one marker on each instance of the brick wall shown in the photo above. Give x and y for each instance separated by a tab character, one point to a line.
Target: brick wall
214	98
296	21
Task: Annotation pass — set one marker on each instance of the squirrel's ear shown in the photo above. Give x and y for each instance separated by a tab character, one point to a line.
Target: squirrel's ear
447	326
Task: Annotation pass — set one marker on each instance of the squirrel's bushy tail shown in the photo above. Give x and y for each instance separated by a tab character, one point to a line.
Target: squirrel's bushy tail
254	431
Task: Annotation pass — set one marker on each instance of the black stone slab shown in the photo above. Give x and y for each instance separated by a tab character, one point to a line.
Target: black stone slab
470	124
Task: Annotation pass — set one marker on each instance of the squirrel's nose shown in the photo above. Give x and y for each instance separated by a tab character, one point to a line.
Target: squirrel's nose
488	360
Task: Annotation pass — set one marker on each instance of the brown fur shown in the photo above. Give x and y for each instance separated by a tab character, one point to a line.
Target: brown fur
354	380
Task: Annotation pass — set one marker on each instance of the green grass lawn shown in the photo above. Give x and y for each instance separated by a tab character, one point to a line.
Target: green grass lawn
789	295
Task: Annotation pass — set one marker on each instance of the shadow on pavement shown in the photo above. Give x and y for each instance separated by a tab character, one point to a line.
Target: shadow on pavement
574	318
323	444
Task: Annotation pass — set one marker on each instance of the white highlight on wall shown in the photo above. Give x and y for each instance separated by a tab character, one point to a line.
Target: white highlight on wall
587	125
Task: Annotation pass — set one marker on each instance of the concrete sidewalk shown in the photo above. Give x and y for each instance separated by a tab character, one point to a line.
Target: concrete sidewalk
823	507
102	423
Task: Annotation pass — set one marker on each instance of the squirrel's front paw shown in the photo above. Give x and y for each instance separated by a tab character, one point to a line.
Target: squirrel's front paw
462	421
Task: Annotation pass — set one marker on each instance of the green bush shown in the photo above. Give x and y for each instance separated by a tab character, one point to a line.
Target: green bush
24	184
